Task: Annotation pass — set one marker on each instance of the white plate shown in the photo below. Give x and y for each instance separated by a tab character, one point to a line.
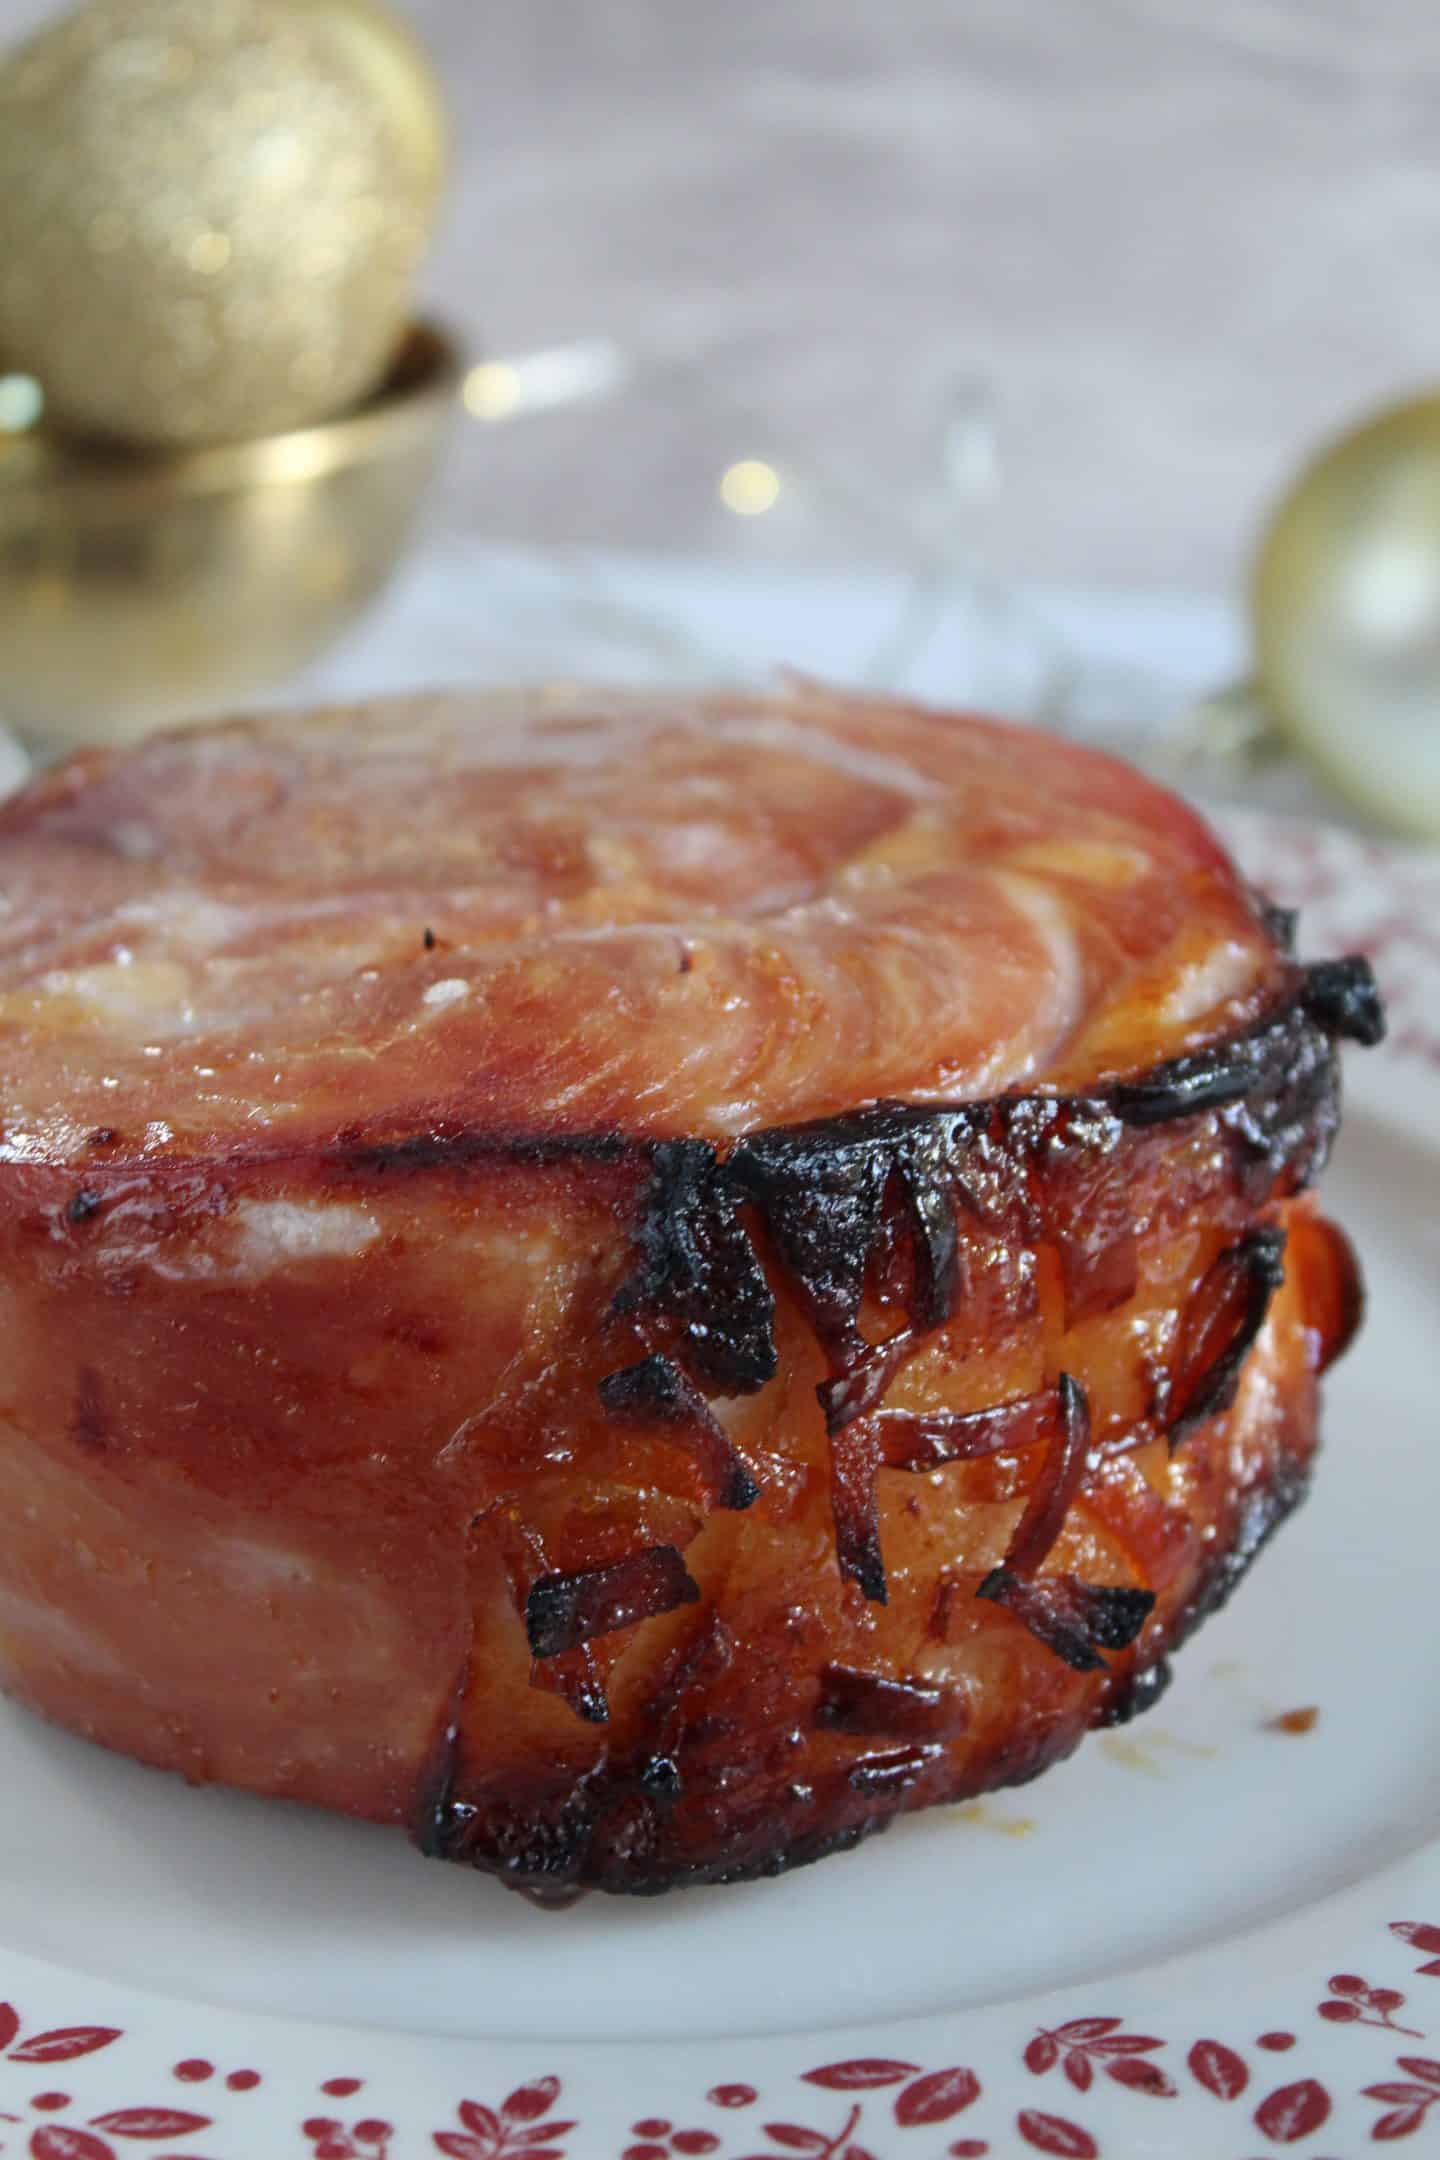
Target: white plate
1201	1936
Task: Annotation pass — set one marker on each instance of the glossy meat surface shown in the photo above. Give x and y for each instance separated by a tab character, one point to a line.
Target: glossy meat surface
588	1419
582	914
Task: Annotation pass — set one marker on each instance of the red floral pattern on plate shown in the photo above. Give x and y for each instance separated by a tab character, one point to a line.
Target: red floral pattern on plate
1083	2044
1408	2102
1423	1937
875	2100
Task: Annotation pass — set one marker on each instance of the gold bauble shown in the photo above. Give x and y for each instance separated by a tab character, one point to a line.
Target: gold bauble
1345	604
212	211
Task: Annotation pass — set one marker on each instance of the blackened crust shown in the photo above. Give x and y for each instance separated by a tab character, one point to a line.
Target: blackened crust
821	1201
1344	997
1258	1264
608	1831
820	1189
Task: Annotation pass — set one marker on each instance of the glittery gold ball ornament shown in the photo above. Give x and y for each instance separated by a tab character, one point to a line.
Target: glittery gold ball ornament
212	211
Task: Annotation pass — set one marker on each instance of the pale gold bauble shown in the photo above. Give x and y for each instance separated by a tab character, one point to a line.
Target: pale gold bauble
1345	603
212	211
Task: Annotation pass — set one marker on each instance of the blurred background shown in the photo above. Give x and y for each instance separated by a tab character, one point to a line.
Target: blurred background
1177	239
1055	294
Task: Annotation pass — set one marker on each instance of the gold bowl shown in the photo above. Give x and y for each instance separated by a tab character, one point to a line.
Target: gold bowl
141	588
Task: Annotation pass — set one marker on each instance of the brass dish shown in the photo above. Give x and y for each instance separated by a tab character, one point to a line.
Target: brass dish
140	588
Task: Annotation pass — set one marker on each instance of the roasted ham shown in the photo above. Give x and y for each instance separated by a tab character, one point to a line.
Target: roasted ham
639	1285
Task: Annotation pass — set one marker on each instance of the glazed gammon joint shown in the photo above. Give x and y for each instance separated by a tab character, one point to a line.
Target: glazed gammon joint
638	1285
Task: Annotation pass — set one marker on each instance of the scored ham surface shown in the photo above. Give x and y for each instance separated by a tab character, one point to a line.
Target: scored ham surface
640	1284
